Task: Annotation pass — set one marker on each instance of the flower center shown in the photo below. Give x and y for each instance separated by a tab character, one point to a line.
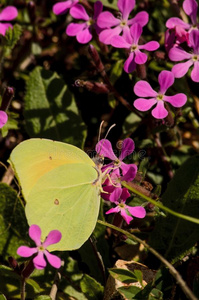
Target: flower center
160	97
123	23
134	47
195	57
41	248
117	162
121	205
90	22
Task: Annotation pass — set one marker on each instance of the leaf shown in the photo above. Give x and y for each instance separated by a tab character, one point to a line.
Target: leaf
91	288
12	36
124	275
34	284
116	71
129	292
43	297
108	3
2	296
50	109
174	236
13	225
11	124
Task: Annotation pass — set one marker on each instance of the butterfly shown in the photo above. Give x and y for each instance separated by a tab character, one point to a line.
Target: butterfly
61	186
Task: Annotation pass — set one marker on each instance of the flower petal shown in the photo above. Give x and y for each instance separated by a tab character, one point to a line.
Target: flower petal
177	100
140	57
62	7
165	79
136	31
125	194
194	40
178	54
9	13
3	118
4	27
113	210
130	65
150	46
125	216
84	36
107	20
54	260
179	70
128	147
143	89
126	6
39	261
119	42
141	18
172	22
195	72
79	12
35	234
73	29
105	149
144	104
159	112
115	195
129	171
191	8
53	237
137	211
98	7
106	35
25	251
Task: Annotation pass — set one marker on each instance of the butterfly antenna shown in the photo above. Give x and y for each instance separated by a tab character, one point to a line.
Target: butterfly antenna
109	130
105	135
100	130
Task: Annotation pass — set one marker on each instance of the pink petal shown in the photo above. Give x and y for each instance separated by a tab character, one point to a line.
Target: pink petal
136	31
73	29
62	7
159	112
9	13
125	216
194	40
3	118
169	39
105	149
191	7
172	22
125	194
35	234
140	57
107	20
141	18
143	89
129	171
179	70
130	65
39	261
144	104
128	147
79	12
177	100
106	35
98	7
166	79
54	260
178	54
84	36
126	34
25	251
150	46
113	210
126	6
195	72
119	42
115	195
4	27
137	211
53	237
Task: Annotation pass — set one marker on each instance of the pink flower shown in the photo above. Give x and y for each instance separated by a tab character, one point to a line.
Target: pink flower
61	8
104	148
178	54
143	89
114	26
83	31
131	43
39	262
126	210
7	14
3	118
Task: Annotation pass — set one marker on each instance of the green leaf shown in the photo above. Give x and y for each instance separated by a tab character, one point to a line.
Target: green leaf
13	223
156	295
43	297
175	236
12	36
129	292
50	109
11	124
108	3
34	284
2	296
124	275
91	288
116	71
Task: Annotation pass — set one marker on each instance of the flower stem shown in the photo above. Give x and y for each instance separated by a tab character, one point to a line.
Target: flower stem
172	270
158	204
23	290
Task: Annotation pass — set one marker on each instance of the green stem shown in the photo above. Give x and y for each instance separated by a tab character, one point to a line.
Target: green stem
172	270
23	284
161	206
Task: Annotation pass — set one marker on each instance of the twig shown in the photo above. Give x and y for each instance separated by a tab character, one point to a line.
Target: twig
99	258
172	270
54	289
